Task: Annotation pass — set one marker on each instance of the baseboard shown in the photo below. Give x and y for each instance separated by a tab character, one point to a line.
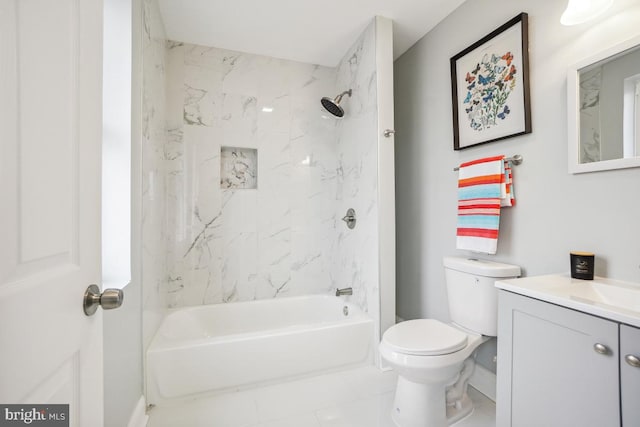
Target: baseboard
139	415
484	381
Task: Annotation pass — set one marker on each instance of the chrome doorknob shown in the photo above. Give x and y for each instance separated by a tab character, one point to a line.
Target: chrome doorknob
109	299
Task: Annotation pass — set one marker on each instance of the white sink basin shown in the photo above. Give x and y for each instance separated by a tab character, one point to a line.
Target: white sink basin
617	295
611	299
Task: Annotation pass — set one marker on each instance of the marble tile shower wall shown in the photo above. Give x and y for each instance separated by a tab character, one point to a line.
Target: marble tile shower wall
245	244
357	261
286	237
153	144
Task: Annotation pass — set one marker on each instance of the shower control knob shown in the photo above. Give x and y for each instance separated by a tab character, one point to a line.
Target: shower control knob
350	218
108	300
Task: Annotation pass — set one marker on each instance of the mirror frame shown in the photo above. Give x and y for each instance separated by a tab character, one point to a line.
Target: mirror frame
573	115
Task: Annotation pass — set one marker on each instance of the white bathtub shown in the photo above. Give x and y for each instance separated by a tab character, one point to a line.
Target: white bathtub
216	347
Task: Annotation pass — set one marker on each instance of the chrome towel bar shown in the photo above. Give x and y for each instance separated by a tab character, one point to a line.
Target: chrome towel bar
515	160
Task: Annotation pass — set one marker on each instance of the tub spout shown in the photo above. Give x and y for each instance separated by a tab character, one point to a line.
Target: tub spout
344	291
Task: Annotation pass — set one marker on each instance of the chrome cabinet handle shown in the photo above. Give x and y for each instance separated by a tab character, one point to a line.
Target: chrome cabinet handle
109	299
601	348
632	360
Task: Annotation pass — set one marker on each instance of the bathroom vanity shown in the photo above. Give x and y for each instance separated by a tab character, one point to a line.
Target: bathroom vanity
568	352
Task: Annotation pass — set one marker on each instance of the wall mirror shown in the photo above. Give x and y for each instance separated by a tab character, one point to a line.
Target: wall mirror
604	110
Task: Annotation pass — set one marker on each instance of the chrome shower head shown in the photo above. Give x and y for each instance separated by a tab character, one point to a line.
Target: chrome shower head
333	105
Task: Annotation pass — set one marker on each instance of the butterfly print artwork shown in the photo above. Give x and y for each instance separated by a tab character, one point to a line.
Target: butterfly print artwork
508	57
490	86
504	113
490	83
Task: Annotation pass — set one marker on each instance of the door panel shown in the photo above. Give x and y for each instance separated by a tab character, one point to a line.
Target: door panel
50	122
47	122
553	358
61	386
629	376
548	371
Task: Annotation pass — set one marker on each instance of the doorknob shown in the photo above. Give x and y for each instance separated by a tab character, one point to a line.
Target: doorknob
109	299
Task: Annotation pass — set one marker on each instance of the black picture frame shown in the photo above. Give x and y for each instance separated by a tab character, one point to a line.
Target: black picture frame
490	86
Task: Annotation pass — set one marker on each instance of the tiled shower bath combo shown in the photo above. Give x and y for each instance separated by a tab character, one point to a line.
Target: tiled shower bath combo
246	181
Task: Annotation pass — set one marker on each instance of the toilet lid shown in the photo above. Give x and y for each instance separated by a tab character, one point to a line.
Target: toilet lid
424	337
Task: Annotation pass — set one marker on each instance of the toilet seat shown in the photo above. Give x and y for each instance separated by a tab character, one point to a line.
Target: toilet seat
424	337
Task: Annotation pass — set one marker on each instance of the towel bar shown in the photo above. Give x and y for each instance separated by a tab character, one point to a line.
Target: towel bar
515	160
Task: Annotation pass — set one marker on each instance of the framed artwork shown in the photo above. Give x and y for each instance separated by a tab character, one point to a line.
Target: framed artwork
490	87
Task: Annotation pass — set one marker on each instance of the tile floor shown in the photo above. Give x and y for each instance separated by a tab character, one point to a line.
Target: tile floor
360	397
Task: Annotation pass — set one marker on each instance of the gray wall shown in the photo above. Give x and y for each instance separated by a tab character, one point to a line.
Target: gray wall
556	212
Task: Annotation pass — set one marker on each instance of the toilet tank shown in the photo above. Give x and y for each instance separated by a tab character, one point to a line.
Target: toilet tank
472	296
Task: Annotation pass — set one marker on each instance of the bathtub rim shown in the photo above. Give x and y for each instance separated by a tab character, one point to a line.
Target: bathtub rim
160	342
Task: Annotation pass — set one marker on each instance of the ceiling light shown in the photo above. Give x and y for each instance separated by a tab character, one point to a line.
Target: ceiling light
579	11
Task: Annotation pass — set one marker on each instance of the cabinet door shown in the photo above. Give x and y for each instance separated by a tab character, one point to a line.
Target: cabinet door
630	375
548	371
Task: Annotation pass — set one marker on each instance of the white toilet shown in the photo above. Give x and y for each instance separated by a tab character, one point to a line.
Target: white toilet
434	360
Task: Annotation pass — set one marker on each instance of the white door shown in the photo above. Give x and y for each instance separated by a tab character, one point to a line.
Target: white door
50	138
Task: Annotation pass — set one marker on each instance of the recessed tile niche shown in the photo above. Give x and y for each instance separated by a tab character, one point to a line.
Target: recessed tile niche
238	168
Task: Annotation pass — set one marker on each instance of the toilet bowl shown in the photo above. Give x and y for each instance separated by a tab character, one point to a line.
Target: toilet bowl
433	359
428	356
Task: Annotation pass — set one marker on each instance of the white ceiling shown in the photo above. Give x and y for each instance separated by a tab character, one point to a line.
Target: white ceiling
315	32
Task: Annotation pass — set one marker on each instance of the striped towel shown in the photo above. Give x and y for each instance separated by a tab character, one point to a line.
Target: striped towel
508	197
484	185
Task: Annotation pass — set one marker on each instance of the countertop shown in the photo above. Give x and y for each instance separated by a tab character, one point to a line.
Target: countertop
603	297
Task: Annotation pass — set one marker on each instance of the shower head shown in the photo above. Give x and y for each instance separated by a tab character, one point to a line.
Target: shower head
333	105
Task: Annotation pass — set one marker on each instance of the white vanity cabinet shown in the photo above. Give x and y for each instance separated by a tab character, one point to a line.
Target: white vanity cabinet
630	375
557	367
